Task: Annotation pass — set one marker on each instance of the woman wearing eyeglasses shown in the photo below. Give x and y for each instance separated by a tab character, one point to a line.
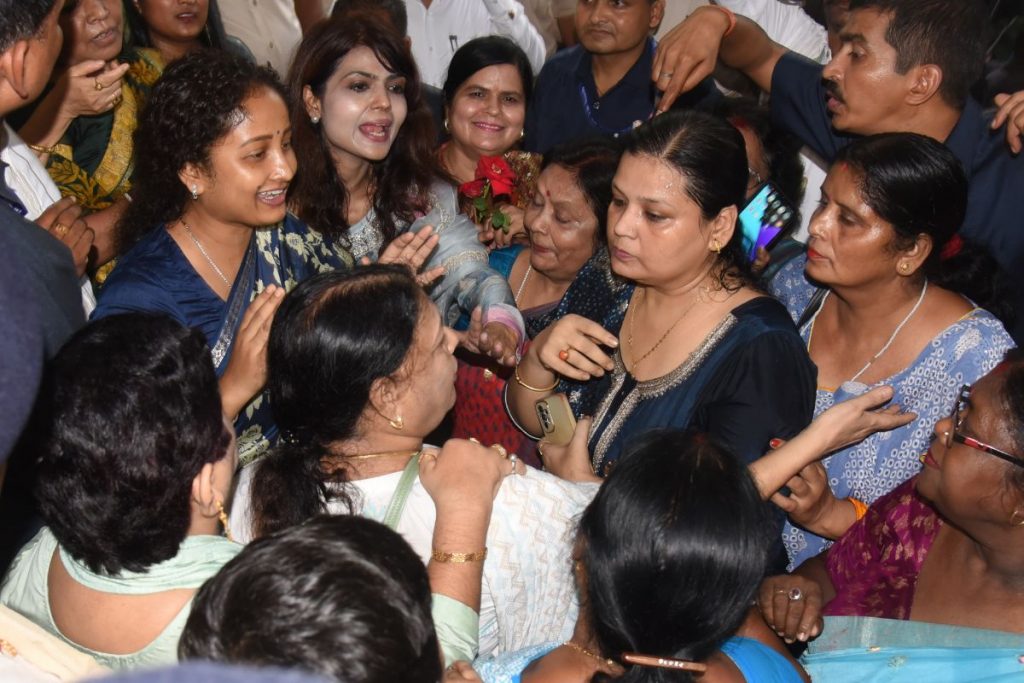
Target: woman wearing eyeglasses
876	304
945	548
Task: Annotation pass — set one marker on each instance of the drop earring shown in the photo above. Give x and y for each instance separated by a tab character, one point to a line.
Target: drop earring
195	192
222	515
398	423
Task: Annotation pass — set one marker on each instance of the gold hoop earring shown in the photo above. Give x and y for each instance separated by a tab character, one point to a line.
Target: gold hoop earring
716	247
398	423
222	515
1017	518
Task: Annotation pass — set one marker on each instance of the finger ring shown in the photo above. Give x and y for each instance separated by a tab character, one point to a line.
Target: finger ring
795	594
665	74
60	229
501	449
564	354
514	459
98	86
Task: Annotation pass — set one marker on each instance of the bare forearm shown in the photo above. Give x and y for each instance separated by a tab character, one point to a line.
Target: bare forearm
749	49
103	223
775	468
459	530
48	122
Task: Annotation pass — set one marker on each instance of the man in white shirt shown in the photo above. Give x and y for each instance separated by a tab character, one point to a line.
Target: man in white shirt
269	28
440	27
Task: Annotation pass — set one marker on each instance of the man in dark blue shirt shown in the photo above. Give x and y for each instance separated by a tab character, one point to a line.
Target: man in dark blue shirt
900	67
30	41
603	85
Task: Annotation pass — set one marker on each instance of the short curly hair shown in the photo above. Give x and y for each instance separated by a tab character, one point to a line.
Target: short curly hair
131	414
196	102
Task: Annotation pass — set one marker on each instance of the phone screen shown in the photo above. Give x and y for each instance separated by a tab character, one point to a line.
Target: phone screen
765	217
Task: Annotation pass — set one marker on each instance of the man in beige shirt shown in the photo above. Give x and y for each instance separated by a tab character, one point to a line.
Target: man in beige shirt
271	29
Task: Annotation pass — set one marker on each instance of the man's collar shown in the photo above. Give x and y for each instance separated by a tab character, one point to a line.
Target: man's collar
638	76
965	134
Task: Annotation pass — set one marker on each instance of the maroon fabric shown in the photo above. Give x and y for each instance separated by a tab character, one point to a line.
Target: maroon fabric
480	409
875	565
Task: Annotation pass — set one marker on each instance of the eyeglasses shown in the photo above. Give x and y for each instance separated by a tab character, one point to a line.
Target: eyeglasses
957	418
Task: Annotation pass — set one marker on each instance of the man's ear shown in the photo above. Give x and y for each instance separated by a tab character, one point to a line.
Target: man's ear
14	68
657	14
925	82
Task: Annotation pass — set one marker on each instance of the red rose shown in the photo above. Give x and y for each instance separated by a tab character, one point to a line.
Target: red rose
472	189
497	171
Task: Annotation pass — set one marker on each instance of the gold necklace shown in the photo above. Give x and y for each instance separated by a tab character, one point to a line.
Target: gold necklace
383	454
629	337
584	651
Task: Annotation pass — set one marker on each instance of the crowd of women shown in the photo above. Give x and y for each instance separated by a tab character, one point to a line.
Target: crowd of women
658	462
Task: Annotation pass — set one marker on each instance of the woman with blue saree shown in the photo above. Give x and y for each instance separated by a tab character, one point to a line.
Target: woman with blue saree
208	239
927	585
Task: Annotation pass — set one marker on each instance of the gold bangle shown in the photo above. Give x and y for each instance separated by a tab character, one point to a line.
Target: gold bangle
860	508
39	149
459	558
524	385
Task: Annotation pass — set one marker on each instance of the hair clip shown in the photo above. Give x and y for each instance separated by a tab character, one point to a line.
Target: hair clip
663	662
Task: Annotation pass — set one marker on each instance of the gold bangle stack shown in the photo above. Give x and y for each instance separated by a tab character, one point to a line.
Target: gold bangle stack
524	385
459	558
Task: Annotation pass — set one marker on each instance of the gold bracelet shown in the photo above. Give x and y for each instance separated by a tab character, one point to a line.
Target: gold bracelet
860	508
39	149
524	385
459	558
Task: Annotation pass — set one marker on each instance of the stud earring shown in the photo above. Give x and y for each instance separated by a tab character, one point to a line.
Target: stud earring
195	192
522	133
1017	519
447	129
716	247
904	267
314	119
398	423
222	515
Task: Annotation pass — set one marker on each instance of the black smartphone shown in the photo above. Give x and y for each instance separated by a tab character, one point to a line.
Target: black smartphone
766	219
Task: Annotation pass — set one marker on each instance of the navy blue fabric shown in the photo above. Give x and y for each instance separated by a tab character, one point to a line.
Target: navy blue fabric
565	104
757	383
995	198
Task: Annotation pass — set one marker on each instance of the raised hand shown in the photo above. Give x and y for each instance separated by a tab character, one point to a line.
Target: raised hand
413	249
791	605
247	368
